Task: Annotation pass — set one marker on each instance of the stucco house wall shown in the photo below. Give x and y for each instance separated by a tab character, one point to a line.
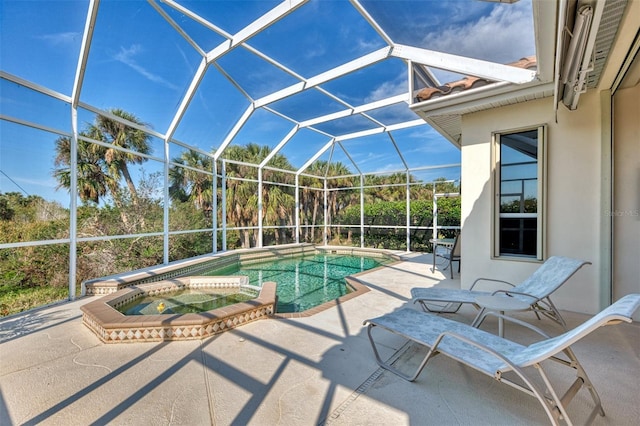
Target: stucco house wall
573	188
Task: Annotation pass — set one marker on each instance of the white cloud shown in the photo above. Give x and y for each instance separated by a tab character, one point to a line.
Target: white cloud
366	46
127	57
58	39
505	35
317	52
388	89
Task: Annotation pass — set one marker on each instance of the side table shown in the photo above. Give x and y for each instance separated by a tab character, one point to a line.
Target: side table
499	303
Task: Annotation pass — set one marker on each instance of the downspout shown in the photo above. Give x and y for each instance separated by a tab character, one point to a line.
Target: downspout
562	17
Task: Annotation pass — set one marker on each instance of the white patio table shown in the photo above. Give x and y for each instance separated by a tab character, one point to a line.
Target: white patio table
499	303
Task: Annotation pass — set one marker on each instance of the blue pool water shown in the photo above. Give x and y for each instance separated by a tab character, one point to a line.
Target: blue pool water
304	282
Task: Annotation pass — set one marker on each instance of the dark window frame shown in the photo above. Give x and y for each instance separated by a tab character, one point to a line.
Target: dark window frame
519	193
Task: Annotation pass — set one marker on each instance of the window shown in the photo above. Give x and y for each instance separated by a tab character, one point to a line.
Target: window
519	193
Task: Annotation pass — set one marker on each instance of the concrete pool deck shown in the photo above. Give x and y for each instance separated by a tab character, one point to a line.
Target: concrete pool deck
298	371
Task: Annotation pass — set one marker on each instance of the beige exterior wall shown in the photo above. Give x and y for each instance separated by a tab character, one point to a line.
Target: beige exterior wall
626	207
573	195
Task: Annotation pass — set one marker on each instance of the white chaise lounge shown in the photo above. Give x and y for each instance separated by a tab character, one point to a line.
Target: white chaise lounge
535	290
495	356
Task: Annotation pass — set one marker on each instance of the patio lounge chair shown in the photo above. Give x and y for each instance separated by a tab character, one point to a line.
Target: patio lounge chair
535	290
495	356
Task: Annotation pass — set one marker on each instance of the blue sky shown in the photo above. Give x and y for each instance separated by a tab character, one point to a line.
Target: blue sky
139	63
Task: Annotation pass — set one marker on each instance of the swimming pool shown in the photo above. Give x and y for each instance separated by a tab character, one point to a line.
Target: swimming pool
304	282
111	326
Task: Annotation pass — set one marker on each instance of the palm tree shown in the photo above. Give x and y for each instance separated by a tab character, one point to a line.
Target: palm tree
278	202
337	200
119	135
383	191
188	185
93	180
99	167
242	194
312	197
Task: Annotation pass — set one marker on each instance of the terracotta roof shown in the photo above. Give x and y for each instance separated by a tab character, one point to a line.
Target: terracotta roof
468	82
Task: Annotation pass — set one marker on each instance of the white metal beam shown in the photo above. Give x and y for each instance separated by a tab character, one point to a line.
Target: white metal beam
26	123
374	24
275	14
260	211
328	117
297	209
272	61
405	125
321	78
355	165
349	67
176	27
120	120
361	134
199	19
264	21
278	147
84	51
361	210
376	130
281	94
315	157
195	82
272	16
356	110
232	134
464	65
395	145
33	86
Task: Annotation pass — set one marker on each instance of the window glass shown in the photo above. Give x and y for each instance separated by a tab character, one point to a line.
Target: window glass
519	185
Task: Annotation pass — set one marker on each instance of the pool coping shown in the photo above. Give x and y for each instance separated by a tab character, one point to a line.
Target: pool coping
112	326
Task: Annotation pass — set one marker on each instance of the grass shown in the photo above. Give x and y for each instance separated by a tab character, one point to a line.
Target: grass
17	299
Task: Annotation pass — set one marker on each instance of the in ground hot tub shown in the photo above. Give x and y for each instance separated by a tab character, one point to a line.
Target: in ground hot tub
111	326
